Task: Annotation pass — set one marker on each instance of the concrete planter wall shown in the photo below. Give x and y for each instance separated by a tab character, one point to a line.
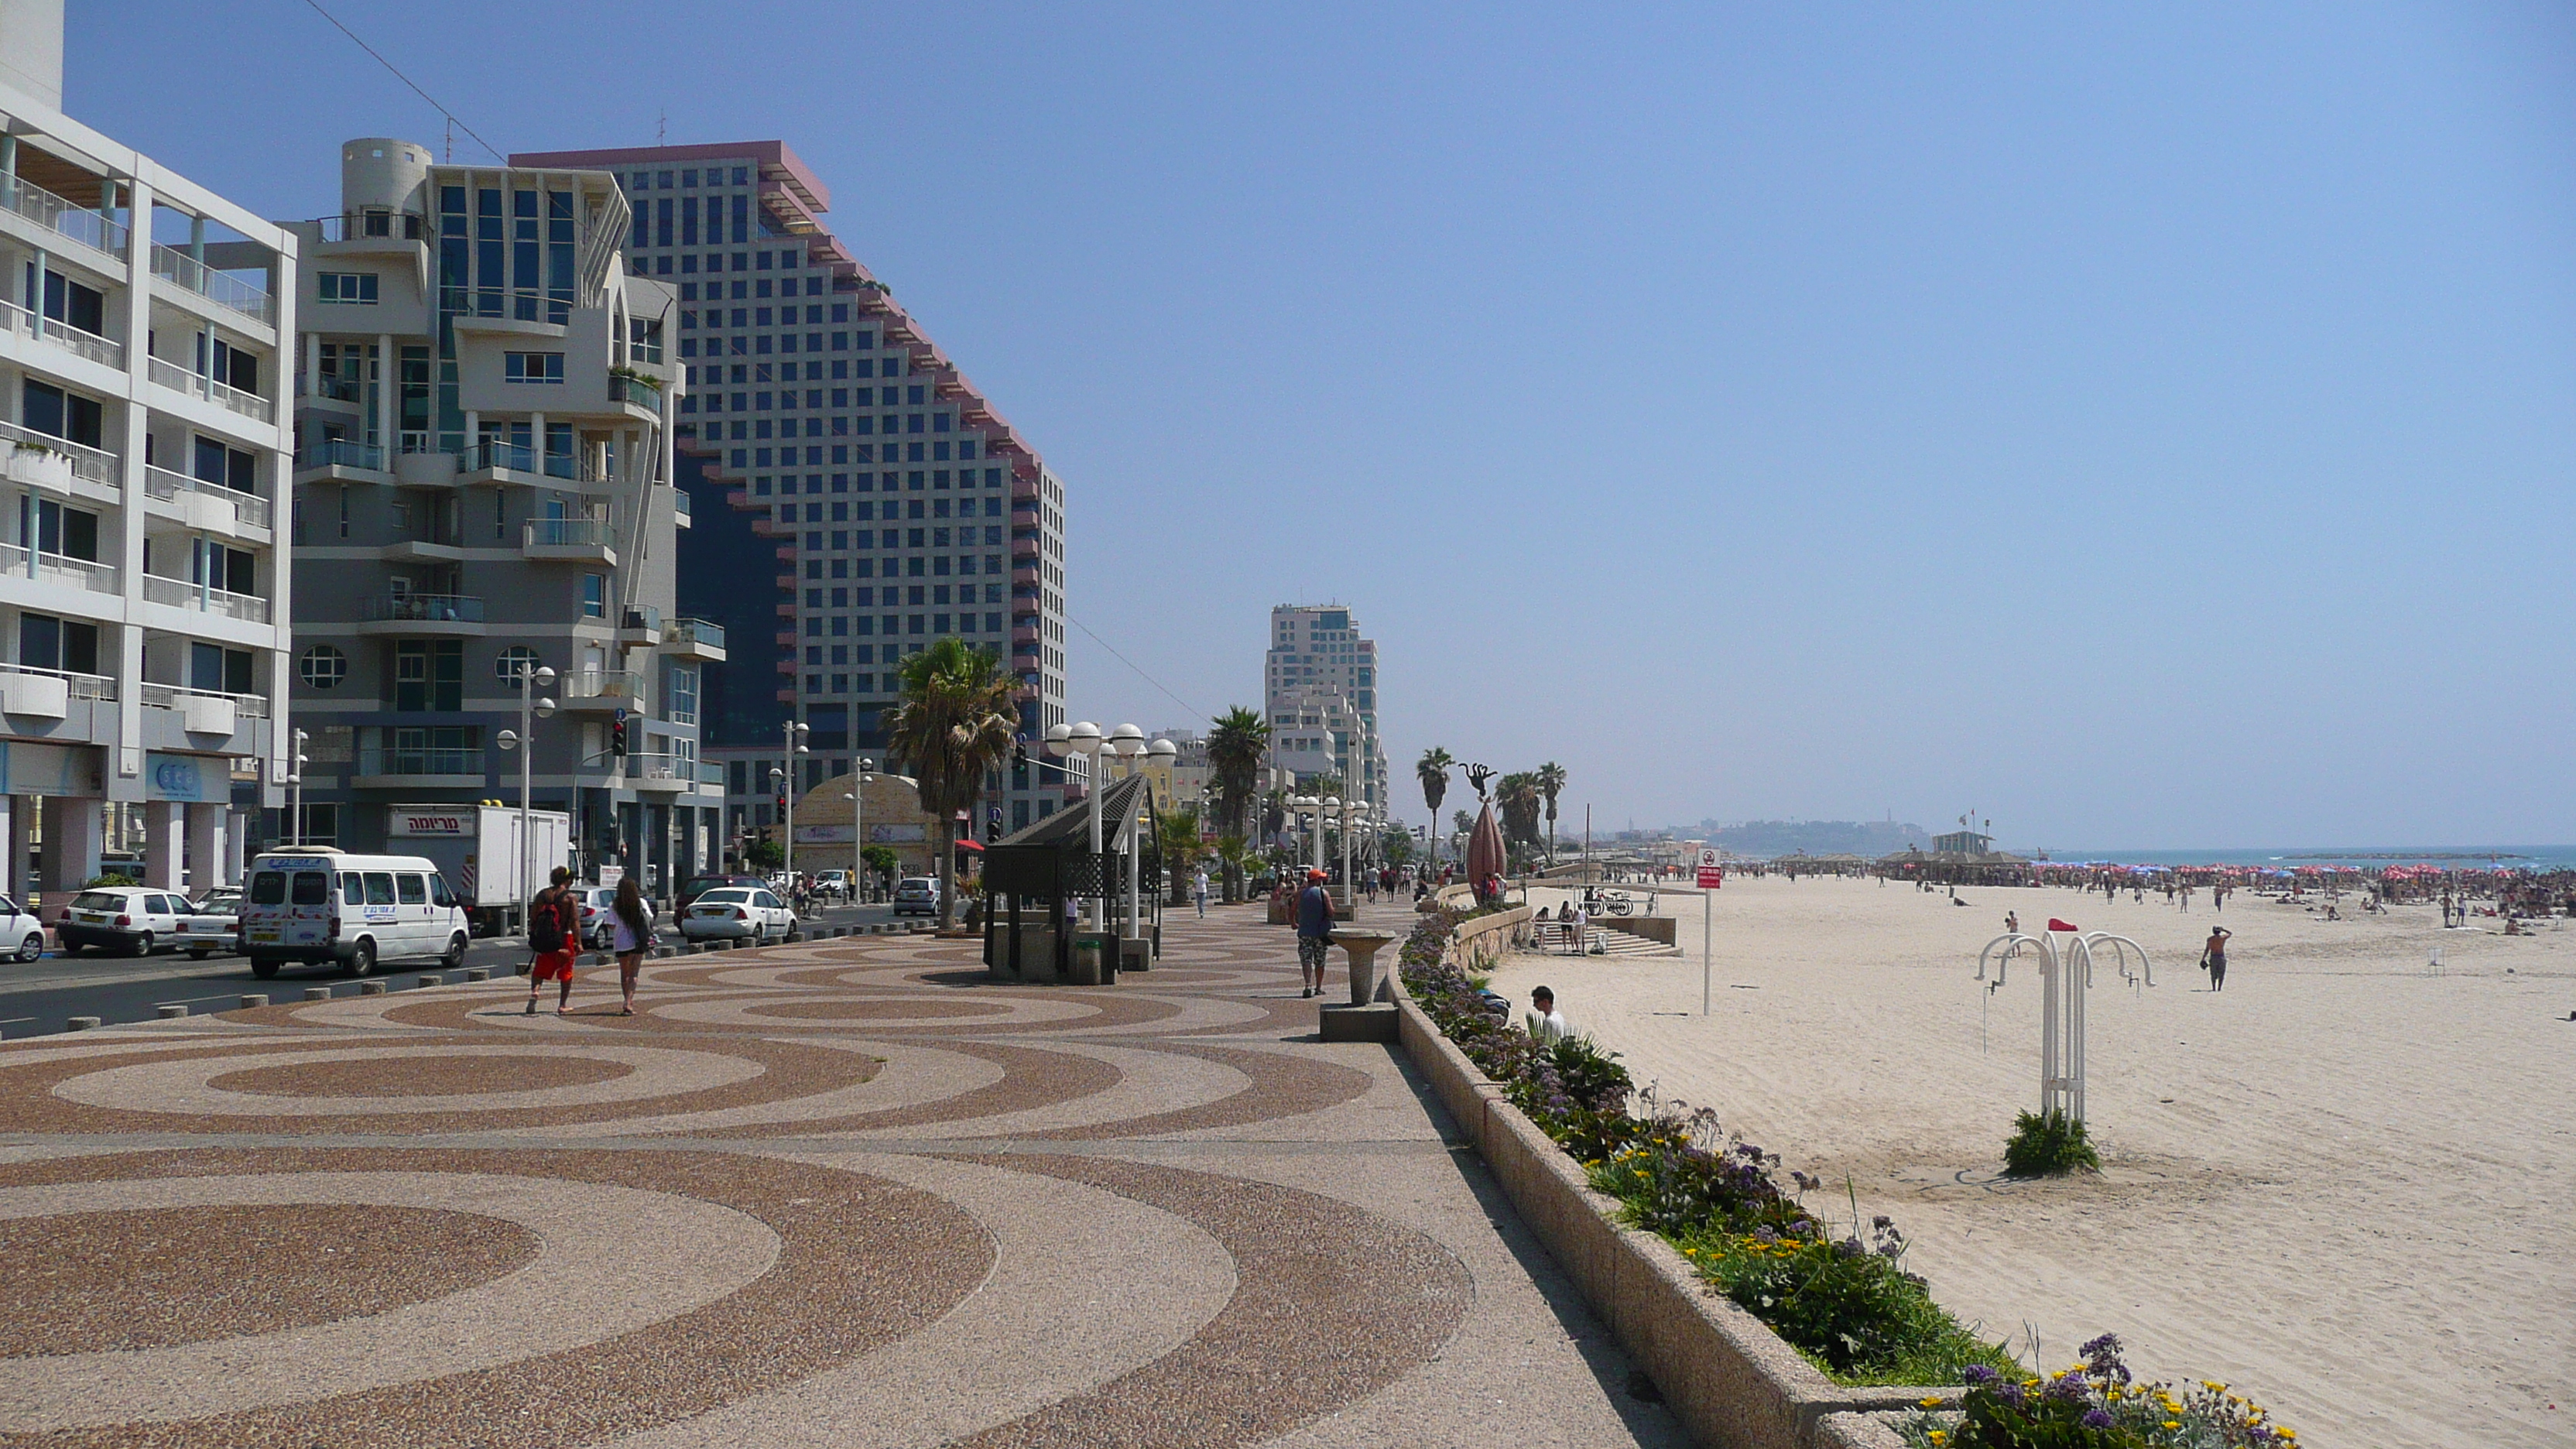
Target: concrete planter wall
1732	1380
1479	943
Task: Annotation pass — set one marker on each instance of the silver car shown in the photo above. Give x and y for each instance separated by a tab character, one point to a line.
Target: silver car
917	895
739	913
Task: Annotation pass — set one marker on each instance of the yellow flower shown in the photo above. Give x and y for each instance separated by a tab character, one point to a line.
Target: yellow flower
1927	1403
1938	1438
2173	1423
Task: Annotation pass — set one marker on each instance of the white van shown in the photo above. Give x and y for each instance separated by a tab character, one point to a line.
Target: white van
316	904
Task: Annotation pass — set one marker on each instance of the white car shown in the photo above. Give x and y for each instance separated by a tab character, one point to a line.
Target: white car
131	920
739	913
917	895
598	928
216	926
22	936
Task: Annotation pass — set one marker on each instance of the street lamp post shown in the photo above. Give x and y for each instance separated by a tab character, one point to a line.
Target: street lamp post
531	709
794	734
295	783
858	828
1129	743
1083	739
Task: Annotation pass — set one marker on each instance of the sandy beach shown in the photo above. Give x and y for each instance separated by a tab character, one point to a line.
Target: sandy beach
2342	1185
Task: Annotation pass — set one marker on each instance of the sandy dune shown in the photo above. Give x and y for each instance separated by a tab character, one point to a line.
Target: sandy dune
2343	1184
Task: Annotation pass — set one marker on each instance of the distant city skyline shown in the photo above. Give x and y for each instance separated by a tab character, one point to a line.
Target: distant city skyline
2146	424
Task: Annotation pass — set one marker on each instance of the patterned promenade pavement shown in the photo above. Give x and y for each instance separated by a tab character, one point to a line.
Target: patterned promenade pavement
847	1193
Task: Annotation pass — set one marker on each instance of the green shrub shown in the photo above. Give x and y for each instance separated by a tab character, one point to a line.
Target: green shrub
2092	1405
109	881
2044	1146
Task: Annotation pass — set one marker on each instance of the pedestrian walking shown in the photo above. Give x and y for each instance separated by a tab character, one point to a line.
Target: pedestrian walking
632	918
1314	931
554	927
2213	957
1198	892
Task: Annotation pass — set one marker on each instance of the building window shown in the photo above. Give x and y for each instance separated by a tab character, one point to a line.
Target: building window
532	366
356	288
322	667
594	596
429	674
514	663
45	642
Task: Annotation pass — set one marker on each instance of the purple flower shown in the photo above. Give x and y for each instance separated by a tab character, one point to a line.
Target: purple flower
2096	1419
1977	1374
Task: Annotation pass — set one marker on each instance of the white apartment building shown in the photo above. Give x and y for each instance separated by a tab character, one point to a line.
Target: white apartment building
485	486
144	454
1319	689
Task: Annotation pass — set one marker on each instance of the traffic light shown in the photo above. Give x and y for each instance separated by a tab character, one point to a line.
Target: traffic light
617	738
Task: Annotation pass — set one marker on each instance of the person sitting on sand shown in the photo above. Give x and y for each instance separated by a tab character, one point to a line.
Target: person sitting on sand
2213	957
1543	1021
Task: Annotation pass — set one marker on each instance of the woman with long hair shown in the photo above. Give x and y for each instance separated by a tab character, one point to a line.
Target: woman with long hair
633	919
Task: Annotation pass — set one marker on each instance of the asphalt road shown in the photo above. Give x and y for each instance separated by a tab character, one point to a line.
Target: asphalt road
37	997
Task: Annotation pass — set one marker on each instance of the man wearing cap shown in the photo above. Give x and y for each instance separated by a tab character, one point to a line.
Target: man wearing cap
1314	931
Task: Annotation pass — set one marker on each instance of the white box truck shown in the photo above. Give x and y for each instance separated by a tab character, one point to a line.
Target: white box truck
476	848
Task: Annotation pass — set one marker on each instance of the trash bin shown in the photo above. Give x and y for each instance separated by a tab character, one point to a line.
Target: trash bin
1090	950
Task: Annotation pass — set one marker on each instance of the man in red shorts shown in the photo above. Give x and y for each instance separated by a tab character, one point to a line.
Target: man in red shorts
554	934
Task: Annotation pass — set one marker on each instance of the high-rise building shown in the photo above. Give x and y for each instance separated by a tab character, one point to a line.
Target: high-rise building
893	504
1320	687
143	453
484	487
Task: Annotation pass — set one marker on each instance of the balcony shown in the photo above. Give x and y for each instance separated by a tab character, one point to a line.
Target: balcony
668	772
382	768
50	693
179	379
205	711
89	465
643	625
680	508
492	458
206	505
423	615
181	594
350	231
221	288
569	540
340	453
595	689
694	639
18	321
98	232
635	392
96	578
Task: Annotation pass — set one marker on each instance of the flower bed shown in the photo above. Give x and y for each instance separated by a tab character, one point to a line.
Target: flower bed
1847	1306
2093	1404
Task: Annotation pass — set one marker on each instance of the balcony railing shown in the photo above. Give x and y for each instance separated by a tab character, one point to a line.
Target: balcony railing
342	453
523	305
14	318
92	229
360	226
221	288
426	608
248	508
90	465
169	696
634	390
647	617
337	389
96	687
521	458
711	772
181	594
380	760
694	631
680	504
568	533
248	404
663	766
603	684
80	573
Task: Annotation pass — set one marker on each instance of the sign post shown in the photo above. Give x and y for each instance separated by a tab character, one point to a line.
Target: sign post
1712	874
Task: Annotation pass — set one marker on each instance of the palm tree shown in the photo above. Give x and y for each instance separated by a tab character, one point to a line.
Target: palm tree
1551	782
1176	837
1518	796
1235	854
1433	771
1236	746
957	720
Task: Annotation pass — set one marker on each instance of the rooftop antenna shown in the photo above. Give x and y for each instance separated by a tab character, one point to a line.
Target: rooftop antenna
449	158
661	124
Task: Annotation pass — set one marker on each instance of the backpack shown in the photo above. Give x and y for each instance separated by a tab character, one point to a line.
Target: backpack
546	931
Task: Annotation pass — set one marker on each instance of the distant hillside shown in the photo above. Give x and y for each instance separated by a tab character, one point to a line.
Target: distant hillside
1815	837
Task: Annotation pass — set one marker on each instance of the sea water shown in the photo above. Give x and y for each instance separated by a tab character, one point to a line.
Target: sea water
2443	857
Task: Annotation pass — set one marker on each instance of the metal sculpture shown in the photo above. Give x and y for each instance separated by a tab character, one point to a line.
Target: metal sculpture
2064	978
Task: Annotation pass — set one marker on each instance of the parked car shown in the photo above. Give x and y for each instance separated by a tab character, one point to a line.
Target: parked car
917	895
22	935
598	928
739	913
695	885
216	926
319	905
130	920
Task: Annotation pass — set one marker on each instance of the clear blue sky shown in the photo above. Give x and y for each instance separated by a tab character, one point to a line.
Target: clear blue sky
2147	426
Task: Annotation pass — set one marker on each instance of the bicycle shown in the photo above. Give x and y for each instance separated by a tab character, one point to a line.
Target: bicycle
1608	903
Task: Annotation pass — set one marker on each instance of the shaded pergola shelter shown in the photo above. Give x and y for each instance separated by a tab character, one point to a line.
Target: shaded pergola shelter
1030	874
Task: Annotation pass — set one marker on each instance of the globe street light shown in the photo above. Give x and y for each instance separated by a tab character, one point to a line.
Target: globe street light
527	677
1083	739
858	826
793	734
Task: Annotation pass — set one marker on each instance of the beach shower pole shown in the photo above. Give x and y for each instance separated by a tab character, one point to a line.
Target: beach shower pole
1707	914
